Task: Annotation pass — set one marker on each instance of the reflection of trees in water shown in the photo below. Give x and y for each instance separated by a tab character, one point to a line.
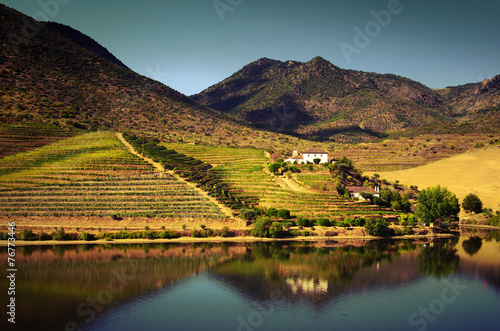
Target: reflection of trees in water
299	269
473	245
440	260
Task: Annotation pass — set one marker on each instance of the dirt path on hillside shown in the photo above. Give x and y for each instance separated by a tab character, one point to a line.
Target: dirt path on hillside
157	165
286	183
227	211
293	185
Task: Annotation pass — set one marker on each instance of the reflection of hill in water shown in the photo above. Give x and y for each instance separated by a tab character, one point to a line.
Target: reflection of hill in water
52	282
323	274
319	275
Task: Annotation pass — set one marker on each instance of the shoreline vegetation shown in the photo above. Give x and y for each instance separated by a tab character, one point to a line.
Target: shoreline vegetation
27	237
242	239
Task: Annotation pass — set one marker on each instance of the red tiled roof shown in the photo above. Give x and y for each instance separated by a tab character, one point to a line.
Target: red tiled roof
315	151
359	189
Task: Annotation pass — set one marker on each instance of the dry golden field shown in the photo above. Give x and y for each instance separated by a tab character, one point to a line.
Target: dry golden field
475	171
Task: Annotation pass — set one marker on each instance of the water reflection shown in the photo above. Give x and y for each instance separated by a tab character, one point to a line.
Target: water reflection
439	259
56	283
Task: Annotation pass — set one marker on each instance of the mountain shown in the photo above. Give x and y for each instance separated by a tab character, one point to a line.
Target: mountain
50	73
83	40
319	100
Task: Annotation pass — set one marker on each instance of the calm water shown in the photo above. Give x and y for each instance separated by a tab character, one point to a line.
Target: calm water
449	284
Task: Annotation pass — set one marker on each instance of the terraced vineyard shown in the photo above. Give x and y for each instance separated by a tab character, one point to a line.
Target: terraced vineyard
21	138
243	171
94	174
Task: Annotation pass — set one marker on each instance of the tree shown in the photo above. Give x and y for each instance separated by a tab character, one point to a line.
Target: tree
437	203
264	227
344	164
377	227
472	204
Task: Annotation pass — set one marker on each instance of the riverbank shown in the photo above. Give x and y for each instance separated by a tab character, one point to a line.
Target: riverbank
242	239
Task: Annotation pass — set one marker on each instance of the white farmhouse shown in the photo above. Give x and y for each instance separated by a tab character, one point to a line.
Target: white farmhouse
309	156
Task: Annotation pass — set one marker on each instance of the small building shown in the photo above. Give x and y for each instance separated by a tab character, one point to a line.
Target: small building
308	156
355	191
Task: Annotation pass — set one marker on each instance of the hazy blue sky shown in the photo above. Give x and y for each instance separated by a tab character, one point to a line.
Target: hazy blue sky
190	45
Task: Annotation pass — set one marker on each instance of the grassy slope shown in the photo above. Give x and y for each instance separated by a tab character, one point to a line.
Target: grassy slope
94	175
409	152
244	171
476	171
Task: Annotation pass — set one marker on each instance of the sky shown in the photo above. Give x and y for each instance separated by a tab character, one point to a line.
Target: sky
190	45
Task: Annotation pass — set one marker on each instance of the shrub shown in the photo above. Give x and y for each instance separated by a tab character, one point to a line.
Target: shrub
61	235
224	232
271	212
349	221
27	235
377	227
203	226
302	221
247	214
283	213
44	236
287	225
316	161
86	236
323	221
169	234
275	229
207	233
367	195
294	233
359	221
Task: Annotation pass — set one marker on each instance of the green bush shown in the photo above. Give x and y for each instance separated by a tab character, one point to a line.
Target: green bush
44	236
294	233
377	227
265	228
61	235
272	212
302	221
323	221
27	235
86	236
359	221
224	232
169	234
283	213
248	214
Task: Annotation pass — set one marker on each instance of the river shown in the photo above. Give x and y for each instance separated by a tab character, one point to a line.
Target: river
445	284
